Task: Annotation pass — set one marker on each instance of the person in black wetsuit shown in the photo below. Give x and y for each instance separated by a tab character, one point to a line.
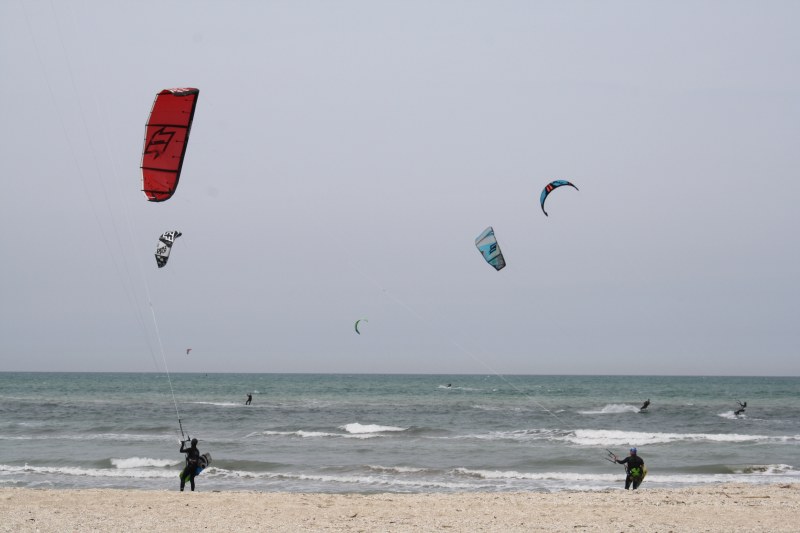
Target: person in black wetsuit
249	399
192	459
741	408
645	405
634	469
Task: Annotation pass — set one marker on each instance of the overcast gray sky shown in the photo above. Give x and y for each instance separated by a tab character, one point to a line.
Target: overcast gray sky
345	155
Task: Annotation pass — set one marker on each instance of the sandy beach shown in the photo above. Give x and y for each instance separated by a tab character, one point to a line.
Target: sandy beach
723	508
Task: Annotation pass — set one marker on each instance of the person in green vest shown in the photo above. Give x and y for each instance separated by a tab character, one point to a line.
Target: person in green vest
634	468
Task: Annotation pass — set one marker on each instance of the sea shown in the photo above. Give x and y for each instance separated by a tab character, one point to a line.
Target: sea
353	433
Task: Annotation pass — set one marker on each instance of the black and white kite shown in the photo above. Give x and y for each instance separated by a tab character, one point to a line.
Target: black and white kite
164	246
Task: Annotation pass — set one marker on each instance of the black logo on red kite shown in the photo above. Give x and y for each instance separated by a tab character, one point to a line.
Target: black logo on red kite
158	142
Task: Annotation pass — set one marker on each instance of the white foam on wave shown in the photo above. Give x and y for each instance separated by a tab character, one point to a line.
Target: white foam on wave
139	462
514	435
385	481
468	389
600	437
300	433
744	476
220	404
128	437
755	474
503	408
605	438
767	469
537	476
88	472
731	416
28	424
358	429
357	432
612	409
414	479
491	408
396	469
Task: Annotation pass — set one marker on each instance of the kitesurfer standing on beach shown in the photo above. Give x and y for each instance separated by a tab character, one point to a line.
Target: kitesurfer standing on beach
634	469
192	460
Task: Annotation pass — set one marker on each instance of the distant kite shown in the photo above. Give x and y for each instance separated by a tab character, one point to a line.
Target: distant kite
357	322
488	247
188	350
164	246
165	139
549	188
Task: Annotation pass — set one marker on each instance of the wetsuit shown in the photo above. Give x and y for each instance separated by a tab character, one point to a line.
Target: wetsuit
192	459
636	464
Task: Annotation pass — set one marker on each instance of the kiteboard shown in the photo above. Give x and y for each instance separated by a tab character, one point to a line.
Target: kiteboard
644	474
202	463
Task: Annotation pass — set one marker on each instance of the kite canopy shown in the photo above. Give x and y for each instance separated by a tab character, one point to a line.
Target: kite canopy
550	187
360	320
488	247
163	248
165	140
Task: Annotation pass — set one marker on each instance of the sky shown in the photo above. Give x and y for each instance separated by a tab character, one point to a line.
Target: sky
345	155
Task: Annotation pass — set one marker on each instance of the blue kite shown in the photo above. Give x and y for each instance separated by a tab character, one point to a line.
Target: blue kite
489	249
549	188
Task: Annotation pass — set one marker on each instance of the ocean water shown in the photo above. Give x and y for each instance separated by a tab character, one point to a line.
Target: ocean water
394	433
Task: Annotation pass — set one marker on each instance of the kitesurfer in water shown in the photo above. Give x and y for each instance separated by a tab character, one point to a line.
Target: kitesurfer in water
192	460
634	469
644	406
249	399
741	408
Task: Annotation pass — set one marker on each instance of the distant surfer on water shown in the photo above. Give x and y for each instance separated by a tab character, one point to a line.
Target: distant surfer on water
634	469
249	399
192	461
645	405
742	406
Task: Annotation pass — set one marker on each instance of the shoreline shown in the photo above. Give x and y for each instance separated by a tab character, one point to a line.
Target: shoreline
716	508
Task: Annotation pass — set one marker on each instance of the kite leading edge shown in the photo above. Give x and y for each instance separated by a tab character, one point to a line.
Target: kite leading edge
550	187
